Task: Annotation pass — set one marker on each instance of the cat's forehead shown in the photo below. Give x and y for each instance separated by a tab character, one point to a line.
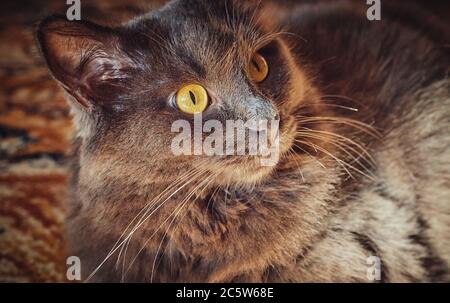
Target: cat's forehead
232	12
197	39
202	25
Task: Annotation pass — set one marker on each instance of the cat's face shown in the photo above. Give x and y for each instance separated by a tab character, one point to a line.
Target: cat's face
131	83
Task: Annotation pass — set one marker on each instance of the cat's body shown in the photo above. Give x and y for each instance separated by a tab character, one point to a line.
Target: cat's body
325	208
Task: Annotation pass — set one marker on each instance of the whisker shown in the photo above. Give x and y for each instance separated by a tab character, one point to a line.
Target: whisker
353	109
292	154
346	139
338	145
366	128
205	184
153	202
200	173
119	243
309	154
342	163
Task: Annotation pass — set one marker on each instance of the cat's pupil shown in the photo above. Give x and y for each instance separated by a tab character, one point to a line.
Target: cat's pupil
194	100
256	65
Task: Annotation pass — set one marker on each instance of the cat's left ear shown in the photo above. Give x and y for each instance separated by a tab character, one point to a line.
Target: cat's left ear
85	58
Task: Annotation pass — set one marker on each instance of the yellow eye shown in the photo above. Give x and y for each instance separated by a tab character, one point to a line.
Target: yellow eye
192	99
258	69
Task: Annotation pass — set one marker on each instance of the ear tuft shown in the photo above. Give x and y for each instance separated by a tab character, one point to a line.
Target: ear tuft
82	56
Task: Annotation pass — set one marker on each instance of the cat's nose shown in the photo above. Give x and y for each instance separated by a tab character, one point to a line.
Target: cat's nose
259	109
260	117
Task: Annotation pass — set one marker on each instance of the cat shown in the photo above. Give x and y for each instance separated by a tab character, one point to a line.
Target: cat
364	167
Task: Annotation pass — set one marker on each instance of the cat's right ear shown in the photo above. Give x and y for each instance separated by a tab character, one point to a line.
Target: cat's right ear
84	57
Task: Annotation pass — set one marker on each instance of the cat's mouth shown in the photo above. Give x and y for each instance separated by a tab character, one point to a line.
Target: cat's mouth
250	170
242	174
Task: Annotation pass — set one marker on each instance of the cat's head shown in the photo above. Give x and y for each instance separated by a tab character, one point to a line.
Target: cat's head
129	84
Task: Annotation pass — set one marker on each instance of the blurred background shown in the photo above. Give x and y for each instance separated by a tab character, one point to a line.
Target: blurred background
35	134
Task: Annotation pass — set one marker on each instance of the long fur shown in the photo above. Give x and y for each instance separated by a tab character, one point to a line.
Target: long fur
365	140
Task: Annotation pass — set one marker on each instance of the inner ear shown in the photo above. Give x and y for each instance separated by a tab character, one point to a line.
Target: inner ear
83	56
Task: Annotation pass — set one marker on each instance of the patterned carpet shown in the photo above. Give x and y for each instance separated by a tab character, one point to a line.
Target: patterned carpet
35	133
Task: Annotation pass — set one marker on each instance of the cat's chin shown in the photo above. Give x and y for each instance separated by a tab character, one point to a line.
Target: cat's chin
245	174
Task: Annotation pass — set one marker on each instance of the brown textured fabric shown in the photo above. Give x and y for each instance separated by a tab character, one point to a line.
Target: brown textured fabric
35	132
